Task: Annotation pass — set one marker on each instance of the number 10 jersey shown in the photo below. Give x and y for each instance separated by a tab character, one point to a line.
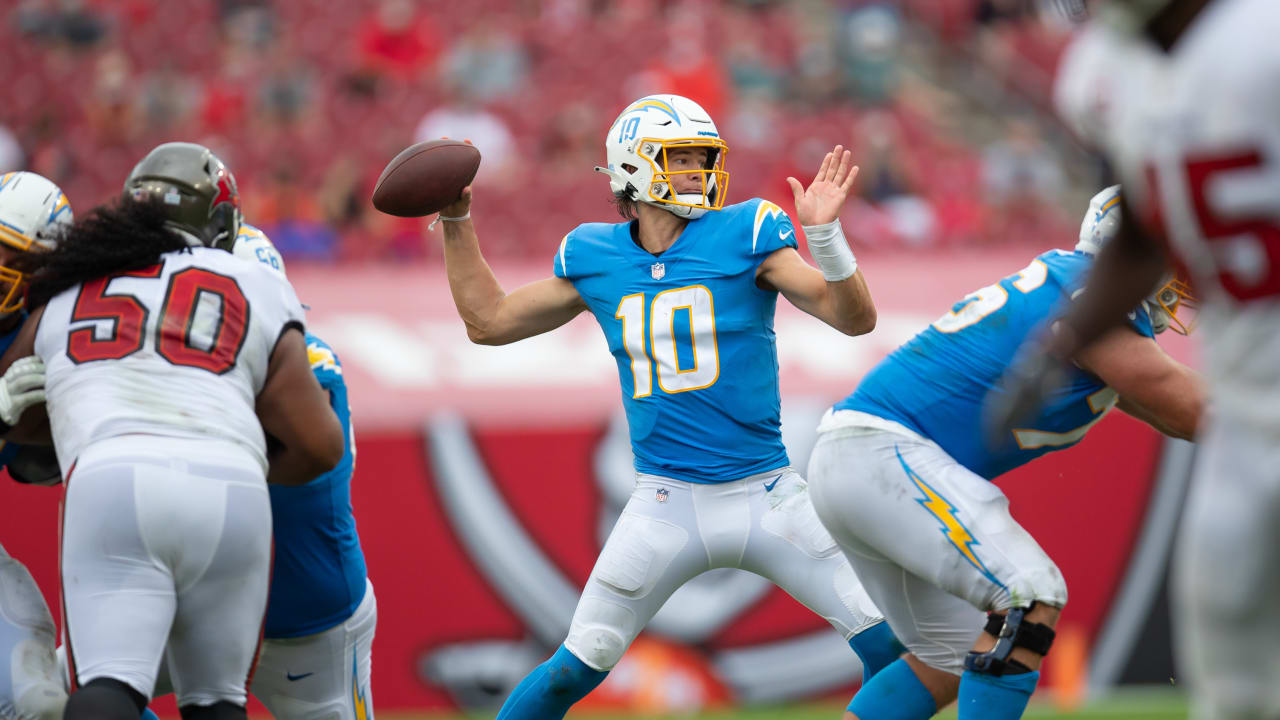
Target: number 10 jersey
177	349
693	337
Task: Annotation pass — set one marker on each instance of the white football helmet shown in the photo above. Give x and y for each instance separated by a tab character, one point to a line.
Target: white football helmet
34	213
635	149
253	244
1100	224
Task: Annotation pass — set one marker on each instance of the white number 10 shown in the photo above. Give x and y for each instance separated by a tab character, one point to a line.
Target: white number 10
696	299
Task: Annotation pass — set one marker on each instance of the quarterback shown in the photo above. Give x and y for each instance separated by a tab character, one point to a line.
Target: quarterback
1181	96
900	476
685	292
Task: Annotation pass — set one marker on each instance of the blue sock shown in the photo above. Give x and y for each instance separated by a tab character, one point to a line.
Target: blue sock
995	698
876	647
551	689
148	715
895	694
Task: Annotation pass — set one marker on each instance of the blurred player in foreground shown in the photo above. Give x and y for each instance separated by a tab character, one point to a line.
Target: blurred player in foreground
1182	97
900	476
33	214
685	292
166	362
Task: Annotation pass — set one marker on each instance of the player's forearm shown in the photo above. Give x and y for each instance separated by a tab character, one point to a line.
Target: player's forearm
1174	404
476	291
852	309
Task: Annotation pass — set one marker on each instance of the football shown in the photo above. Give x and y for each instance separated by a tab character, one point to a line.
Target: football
425	177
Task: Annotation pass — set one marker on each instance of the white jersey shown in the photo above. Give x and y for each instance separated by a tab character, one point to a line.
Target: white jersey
179	349
1194	136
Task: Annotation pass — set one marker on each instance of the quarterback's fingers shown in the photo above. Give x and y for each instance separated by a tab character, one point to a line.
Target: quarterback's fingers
847	185
822	169
837	162
797	189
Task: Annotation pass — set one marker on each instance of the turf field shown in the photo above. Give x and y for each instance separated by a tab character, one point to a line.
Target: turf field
1140	705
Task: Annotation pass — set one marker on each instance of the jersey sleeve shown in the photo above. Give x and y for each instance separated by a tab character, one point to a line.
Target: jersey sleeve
771	230
324	363
1140	321
560	265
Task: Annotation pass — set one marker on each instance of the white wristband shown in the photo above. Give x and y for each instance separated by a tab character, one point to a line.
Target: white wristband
460	218
831	251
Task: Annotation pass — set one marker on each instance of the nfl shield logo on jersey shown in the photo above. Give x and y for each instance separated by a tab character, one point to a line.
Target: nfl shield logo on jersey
662	495
658	271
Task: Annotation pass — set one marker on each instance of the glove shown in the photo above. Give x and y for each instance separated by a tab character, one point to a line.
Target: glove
1023	390
21	387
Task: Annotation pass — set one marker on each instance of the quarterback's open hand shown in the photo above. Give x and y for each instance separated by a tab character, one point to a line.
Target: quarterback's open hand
21	387
820	203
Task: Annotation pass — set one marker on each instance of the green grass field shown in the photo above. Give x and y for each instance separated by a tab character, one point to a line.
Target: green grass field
1134	705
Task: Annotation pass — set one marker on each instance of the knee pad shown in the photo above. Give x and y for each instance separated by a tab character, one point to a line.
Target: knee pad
601	632
1010	631
105	699
222	710
598	646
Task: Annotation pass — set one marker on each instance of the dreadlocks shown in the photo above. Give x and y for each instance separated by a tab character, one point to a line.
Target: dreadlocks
125	235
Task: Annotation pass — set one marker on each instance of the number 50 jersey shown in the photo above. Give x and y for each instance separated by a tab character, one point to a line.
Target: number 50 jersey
693	337
177	349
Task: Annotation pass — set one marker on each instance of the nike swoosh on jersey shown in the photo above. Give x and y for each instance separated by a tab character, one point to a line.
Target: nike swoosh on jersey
768	487
784	235
293	677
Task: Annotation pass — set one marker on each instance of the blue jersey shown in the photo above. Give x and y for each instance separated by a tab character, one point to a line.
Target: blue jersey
937	382
693	337
8	449
318	576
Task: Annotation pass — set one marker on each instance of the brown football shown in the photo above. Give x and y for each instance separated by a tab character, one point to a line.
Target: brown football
425	177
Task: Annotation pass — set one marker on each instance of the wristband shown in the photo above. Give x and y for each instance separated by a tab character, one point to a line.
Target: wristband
460	218
831	251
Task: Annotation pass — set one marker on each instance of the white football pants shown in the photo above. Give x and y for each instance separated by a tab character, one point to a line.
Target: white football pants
933	543
325	676
30	688
1227	576
166	542
671	531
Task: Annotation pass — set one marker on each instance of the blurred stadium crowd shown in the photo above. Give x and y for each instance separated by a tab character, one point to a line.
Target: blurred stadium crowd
942	101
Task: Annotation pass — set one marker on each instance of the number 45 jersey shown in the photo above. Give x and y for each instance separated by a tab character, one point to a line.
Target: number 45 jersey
937	382
177	349
693	337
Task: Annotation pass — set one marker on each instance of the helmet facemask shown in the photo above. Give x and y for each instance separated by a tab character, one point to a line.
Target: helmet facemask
713	179
1173	307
